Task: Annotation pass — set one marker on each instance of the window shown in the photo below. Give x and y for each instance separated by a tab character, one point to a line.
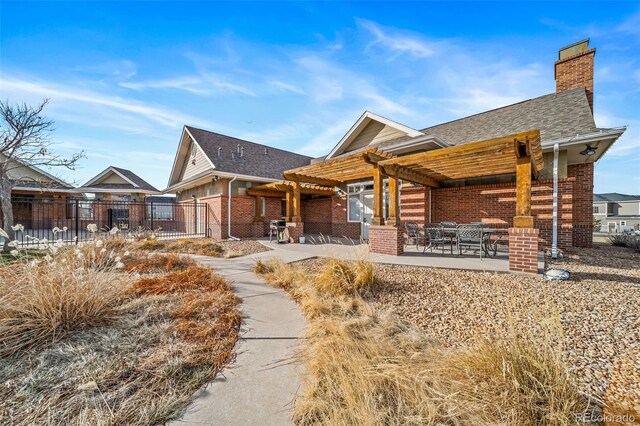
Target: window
355	208
609	208
596	209
85	210
623	223
283	207
263	208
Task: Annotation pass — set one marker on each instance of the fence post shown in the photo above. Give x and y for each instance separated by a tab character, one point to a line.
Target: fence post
206	220
77	204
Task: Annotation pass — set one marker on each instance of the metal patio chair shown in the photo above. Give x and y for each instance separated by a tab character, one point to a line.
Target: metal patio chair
434	237
413	232
472	236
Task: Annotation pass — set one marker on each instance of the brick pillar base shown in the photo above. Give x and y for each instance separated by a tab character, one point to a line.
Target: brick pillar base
296	230
523	250
386	239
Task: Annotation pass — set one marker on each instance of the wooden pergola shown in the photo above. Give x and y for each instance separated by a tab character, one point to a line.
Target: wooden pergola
291	191
519	153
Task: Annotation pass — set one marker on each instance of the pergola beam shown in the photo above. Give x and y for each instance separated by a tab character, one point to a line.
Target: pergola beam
311	179
408	175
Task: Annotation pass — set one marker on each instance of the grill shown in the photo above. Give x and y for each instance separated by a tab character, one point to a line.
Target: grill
279	228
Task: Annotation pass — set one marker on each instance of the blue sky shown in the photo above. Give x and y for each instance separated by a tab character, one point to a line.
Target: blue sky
124	77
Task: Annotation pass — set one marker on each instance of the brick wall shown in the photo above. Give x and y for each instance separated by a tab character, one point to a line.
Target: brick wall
414	204
576	71
523	250
339	225
386	239
316	216
496	204
582	204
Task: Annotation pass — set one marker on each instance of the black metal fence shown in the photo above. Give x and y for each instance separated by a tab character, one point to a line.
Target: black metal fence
74	220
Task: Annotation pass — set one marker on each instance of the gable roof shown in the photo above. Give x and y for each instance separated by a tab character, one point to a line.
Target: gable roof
556	115
614	197
256	160
362	122
133	182
42	181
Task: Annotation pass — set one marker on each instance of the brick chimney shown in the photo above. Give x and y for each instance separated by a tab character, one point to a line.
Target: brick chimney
574	68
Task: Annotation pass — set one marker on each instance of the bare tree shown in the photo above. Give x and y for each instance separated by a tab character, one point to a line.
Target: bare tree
24	142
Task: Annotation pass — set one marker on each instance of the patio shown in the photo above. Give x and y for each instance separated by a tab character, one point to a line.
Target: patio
344	248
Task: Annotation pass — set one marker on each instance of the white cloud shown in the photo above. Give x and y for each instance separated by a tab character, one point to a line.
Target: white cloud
188	84
287	87
60	93
399	43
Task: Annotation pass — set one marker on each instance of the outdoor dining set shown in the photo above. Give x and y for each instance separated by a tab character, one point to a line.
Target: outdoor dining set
464	236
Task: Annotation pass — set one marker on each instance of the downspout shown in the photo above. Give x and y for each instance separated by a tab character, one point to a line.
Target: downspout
231	237
554	241
429	205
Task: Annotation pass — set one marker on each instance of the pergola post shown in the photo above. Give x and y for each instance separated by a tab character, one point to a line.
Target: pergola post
523	218
289	207
394	216
295	214
378	195
258	212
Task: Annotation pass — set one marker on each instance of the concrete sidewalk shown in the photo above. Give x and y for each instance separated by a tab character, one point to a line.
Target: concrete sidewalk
260	385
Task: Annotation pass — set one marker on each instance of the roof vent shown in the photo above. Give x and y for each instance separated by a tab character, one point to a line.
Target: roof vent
241	152
219	149
238	147
266	151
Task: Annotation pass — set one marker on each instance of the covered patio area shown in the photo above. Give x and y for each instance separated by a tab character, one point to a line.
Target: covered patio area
518	154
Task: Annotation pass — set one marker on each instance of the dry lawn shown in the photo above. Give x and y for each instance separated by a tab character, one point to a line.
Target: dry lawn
87	340
201	246
367	366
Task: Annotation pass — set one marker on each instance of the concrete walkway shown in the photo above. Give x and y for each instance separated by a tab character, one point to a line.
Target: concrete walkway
258	388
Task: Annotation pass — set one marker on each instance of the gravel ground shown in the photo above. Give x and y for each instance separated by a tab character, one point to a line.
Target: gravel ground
599	309
243	247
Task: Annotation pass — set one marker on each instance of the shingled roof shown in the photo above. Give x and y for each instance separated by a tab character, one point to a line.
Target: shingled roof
137	183
256	160
614	197
556	115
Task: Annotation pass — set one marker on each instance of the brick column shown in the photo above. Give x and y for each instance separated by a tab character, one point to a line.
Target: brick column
296	230
386	239
523	250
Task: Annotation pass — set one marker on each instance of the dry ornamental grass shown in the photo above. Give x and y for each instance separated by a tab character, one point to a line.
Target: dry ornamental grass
367	367
86	341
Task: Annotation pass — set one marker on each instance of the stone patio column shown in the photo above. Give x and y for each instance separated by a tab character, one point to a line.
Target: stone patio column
523	250
386	239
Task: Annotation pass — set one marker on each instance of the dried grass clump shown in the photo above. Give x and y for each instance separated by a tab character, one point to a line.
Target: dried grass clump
205	247
279	273
342	278
152	262
193	278
368	367
40	304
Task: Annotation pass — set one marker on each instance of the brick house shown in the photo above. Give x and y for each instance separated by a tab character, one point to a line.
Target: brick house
209	167
564	133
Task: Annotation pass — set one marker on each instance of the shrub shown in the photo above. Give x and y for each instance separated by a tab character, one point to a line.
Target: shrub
42	303
618	240
624	240
341	278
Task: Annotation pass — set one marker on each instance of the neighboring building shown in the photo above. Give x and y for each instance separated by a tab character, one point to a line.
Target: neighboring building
117	184
617	212
209	166
31	182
